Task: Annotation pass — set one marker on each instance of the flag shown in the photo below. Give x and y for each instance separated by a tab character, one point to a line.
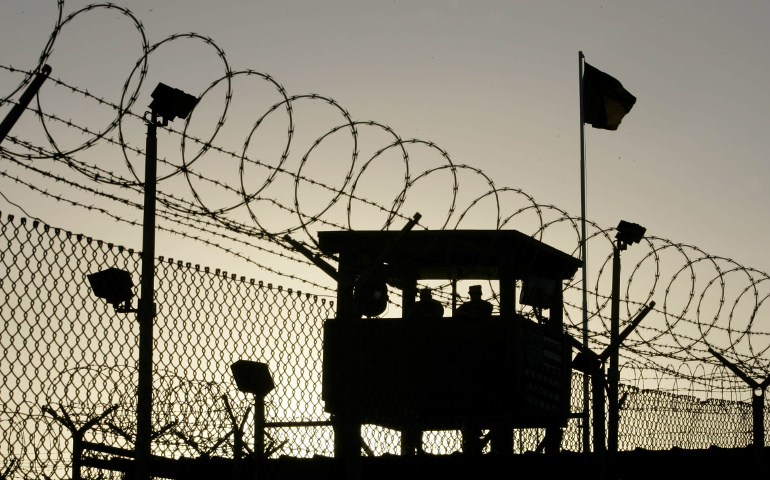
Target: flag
605	101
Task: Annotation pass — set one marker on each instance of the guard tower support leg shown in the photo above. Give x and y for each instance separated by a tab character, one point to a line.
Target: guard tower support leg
347	424
411	436
501	435
554	434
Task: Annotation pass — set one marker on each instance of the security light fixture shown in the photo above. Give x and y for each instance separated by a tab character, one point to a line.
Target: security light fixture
170	103
252	377
167	104
113	285
629	233
538	292
585	363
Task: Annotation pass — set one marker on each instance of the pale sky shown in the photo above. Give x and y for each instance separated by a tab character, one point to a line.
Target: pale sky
494	84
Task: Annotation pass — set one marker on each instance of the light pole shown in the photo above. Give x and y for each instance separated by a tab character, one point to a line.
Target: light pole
255	378
592	364
757	409
115	285
167	104
627	234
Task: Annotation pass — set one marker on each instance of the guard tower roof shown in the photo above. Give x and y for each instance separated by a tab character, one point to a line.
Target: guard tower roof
449	254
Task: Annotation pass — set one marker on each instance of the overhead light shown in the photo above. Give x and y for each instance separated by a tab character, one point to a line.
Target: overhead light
538	292
113	285
252	377
629	233
170	103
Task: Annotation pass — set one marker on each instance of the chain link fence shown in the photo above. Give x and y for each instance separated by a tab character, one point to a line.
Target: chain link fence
68	357
68	366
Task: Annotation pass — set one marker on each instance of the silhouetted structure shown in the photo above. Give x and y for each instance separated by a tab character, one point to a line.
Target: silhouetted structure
445	374
676	427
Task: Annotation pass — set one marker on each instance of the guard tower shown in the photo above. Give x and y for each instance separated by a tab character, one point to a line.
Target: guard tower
468	374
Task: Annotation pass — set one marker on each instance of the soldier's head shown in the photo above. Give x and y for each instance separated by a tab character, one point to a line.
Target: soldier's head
475	292
425	294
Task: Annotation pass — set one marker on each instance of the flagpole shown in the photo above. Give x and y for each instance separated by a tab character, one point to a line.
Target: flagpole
583	254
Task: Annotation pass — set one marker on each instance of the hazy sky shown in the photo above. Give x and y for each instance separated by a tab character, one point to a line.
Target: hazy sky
494	84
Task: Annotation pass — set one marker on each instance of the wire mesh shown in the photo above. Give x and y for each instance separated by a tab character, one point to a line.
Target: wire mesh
68	355
68	359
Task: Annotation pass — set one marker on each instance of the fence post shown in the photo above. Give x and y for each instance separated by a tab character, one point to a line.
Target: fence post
758	415
77	434
757	409
10	120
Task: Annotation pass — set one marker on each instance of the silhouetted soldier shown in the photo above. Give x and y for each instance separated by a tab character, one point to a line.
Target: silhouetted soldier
426	306
475	307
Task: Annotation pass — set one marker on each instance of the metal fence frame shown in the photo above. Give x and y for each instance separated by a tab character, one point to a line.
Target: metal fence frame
68	366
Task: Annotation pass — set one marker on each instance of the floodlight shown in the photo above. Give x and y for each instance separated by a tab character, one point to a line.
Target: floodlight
629	233
113	285
167	104
538	292
584	363
170	103
252	377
